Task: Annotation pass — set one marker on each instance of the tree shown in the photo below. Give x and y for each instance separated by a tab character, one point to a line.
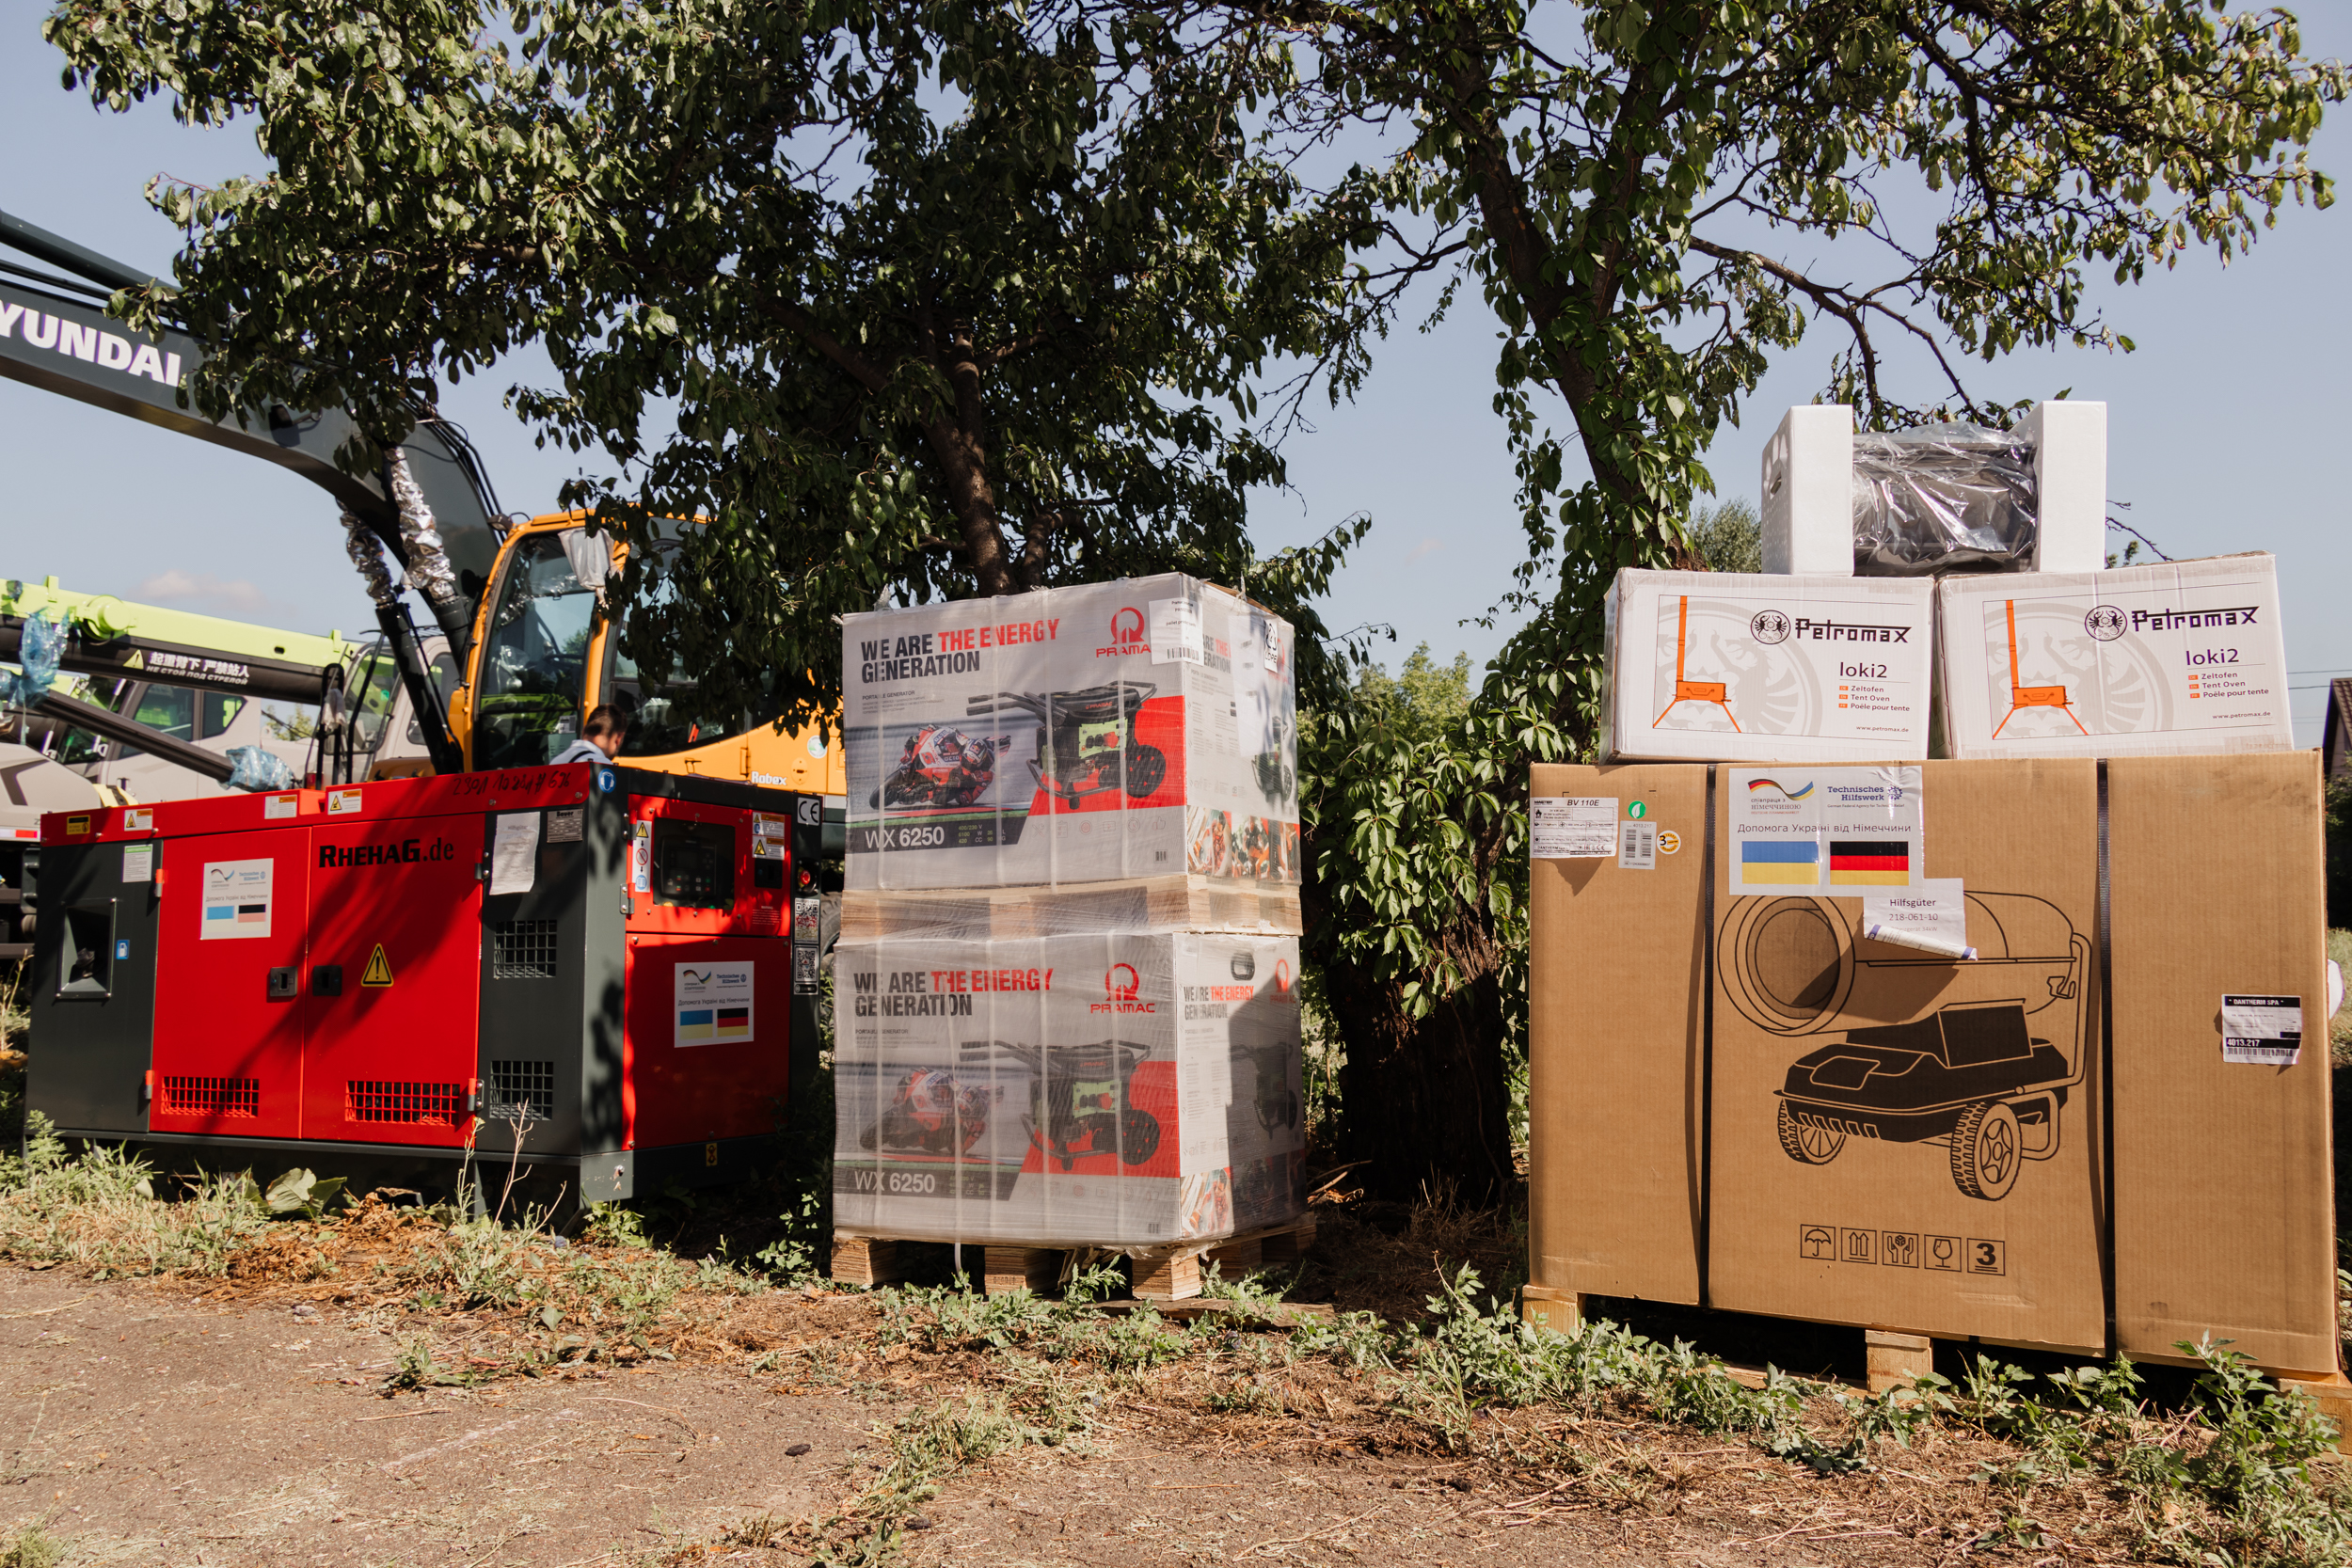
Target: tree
947	297
1628	183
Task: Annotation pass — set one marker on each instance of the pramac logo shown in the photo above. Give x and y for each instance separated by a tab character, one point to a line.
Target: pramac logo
1121	985
1127	634
1281	978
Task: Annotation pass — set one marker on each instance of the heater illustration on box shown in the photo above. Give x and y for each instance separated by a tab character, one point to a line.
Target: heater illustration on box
1086	739
1979	1056
1717	692
2022	696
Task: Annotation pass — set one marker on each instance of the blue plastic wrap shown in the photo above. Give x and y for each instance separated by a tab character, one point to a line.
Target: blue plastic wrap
259	768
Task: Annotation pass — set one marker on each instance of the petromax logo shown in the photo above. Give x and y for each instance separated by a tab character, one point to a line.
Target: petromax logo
88	343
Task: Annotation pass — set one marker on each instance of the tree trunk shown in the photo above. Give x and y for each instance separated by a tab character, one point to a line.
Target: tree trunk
1425	1102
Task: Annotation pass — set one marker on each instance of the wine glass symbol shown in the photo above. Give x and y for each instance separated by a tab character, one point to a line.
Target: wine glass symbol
1943	1250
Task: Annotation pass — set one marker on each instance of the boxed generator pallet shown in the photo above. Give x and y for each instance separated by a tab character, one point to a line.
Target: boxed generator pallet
2176	658
1937	499
1105	1090
1139	728
1888	1105
1704	666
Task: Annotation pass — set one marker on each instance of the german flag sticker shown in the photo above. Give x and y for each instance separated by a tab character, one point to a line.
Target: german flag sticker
1869	862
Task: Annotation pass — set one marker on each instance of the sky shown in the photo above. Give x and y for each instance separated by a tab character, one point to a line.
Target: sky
2225	427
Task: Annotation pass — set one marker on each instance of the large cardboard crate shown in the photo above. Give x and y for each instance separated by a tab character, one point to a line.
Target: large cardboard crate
1139	728
2177	659
1617	1037
1120	1089
1715	666
2224	1207
1900	1139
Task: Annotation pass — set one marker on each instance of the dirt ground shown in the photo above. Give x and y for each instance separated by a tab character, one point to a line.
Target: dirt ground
152	1425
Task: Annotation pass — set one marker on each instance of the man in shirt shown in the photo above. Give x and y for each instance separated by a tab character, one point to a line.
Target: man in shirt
599	740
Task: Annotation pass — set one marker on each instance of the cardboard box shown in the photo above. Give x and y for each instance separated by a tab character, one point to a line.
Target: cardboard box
1807	483
1719	665
1137	903
1899	1139
2224	1211
2175	658
1108	1090
1615	1069
1140	728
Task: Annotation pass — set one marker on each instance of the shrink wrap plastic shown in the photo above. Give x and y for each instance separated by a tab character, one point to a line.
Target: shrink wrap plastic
1943	497
1137	728
1121	1090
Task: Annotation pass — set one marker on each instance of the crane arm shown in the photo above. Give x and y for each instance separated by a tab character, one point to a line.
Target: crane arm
55	334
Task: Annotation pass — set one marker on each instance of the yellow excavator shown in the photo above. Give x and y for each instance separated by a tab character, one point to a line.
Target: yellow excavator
524	642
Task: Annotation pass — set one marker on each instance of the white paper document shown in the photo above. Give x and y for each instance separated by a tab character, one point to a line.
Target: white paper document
515	853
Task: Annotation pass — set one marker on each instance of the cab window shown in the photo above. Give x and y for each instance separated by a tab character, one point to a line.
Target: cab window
371	703
660	708
443	672
535	658
169	709
216	711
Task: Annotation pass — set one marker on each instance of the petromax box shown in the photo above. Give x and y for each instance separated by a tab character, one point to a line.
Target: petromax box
2178	658
1118	1089
1139	728
1734	667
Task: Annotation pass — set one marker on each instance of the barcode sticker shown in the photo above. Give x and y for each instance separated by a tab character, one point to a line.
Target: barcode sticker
1637	846
2263	1031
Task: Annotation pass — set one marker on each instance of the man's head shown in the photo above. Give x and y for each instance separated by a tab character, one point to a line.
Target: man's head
606	729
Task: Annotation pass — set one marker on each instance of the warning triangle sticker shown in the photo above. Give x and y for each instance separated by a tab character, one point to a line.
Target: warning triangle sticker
379	970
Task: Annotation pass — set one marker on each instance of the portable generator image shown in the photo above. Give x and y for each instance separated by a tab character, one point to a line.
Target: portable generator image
1978	1056
1085	741
1079	1101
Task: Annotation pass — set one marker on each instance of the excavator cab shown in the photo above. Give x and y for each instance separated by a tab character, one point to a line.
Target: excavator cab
546	653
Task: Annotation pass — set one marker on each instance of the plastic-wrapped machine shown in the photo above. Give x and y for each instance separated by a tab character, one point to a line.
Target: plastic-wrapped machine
1944	497
1139	728
1118	1090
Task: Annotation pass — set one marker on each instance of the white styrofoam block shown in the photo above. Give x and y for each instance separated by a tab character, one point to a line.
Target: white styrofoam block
1740	667
1808	493
2070	445
2177	659
1119	1089
1136	728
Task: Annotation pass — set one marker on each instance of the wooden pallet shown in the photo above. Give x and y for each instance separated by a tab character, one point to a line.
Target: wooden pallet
1892	1360
1161	1273
1139	903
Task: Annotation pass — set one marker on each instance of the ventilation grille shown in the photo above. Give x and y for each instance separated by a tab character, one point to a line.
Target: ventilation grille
525	951
523	1089
433	1104
212	1097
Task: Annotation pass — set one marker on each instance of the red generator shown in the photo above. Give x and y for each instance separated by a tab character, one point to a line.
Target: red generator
593	975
